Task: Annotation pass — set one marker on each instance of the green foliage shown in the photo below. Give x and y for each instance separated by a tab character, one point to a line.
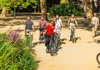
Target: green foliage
62	1
66	9
15	55
14	3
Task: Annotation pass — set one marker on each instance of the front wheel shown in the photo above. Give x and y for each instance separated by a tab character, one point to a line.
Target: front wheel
52	49
98	58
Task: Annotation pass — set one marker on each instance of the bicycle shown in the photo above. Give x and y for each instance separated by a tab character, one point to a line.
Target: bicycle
28	38
97	58
72	35
51	48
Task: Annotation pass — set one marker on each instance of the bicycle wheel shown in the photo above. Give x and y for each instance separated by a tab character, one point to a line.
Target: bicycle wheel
52	49
98	58
56	40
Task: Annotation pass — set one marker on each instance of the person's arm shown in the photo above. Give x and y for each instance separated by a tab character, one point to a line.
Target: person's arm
68	22
91	21
61	23
76	22
33	28
98	21
25	27
39	24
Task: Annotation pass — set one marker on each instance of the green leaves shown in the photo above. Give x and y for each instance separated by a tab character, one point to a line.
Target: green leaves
66	9
14	3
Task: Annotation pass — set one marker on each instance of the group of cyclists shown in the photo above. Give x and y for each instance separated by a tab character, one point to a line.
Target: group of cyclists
47	30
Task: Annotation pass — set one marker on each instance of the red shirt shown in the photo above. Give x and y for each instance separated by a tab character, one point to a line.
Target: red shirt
50	30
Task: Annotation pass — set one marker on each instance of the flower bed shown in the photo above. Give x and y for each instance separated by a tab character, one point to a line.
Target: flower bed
15	54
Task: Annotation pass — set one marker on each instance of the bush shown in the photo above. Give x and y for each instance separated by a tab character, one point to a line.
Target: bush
15	54
66	9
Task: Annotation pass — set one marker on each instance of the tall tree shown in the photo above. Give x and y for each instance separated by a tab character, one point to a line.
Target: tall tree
43	9
5	5
88	10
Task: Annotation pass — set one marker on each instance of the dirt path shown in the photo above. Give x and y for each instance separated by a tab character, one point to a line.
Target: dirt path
72	56
78	56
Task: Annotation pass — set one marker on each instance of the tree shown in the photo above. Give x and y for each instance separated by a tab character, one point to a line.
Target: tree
43	9
88	10
6	5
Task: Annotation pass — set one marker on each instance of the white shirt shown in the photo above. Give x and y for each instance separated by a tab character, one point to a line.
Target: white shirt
58	24
95	20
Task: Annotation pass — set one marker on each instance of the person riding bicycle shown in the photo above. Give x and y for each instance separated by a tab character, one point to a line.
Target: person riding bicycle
42	25
29	26
53	22
49	34
72	22
58	26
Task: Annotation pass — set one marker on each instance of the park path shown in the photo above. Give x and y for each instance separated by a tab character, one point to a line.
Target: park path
72	56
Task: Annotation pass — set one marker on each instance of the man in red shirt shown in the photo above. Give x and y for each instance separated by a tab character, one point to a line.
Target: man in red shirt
49	34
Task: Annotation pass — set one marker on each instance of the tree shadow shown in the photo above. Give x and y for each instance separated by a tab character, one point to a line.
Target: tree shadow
98	33
95	41
35	43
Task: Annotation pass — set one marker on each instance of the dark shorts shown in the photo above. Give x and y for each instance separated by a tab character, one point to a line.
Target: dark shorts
41	29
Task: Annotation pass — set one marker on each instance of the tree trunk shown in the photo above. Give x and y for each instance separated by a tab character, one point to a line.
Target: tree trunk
88	10
43	9
3	13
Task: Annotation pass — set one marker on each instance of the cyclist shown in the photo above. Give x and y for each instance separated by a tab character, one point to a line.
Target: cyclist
58	26
42	25
53	22
29	26
95	22
72	22
49	33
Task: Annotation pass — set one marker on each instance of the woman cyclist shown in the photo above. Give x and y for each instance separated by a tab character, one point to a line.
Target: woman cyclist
72	22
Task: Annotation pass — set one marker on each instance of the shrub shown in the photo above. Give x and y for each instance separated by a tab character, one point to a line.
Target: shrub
66	9
15	54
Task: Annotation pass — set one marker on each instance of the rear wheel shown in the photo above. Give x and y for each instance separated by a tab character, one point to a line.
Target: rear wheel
98	58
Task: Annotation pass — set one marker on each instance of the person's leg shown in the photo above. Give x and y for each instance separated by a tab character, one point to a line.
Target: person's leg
69	37
74	31
96	27
32	35
93	31
40	35
59	34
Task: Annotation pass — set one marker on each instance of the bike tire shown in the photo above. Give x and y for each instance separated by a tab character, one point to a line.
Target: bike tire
52	49
97	58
